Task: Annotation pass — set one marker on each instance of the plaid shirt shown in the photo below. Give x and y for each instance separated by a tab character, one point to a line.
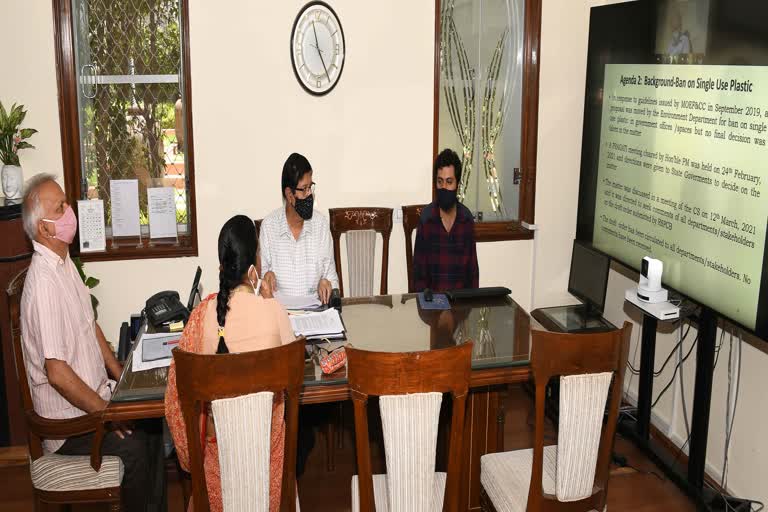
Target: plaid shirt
442	260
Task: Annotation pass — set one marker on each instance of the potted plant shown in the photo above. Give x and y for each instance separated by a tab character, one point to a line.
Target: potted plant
12	139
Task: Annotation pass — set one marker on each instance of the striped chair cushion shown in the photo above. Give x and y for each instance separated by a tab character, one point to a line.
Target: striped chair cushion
409	424
381	499
361	248
582	406
506	477
243	428
55	472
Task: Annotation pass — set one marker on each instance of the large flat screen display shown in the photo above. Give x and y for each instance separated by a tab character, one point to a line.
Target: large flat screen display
675	155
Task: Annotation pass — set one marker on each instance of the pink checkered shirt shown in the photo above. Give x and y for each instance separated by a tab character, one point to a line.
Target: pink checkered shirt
57	323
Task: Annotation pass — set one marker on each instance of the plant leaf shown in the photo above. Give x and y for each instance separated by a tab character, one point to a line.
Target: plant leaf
24	145
92	282
95	305
26	133
3	117
79	266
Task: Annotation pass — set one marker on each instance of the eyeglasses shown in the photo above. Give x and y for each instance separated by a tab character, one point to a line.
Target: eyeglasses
309	189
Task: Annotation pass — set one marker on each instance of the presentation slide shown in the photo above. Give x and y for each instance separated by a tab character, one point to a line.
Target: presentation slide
682	178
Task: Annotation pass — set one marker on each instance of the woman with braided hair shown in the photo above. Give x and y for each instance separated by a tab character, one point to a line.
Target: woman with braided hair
237	319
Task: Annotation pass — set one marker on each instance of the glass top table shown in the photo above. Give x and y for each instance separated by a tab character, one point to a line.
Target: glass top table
499	328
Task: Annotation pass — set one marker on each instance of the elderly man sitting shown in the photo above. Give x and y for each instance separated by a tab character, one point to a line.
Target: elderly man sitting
66	355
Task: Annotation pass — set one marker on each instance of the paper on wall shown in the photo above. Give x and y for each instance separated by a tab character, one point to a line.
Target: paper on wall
162	212
125	207
91	225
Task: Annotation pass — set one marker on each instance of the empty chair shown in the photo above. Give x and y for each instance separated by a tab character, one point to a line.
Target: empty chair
361	226
241	388
60	479
410	387
572	475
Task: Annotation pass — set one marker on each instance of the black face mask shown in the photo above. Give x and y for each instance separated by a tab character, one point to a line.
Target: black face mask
304	207
446	199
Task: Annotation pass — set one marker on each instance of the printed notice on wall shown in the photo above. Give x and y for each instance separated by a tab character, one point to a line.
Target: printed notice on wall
91	225
162	212
125	207
681	177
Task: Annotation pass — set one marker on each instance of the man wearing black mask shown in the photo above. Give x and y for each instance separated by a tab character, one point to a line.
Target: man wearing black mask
445	255
295	240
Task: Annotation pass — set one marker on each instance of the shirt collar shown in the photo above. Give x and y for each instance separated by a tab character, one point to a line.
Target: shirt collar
48	255
286	231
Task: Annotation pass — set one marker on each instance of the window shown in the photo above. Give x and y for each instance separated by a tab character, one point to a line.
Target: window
126	111
486	105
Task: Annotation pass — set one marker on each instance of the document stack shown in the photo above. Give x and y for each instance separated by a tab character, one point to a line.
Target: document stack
318	326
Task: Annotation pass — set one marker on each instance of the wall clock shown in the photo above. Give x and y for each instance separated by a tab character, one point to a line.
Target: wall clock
317	48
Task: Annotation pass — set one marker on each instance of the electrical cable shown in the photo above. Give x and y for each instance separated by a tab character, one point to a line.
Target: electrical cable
682	382
731	416
674	374
632	369
672	352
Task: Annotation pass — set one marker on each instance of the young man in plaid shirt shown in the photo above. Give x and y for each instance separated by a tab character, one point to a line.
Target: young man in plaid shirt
445	255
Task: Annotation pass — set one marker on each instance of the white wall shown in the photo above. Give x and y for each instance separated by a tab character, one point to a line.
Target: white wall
370	142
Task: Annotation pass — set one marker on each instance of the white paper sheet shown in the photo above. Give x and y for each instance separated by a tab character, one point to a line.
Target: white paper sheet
137	362
91	225
159	346
326	323
162	212
297	301
125	207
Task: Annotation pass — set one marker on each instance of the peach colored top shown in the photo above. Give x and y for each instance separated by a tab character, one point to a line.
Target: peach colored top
253	323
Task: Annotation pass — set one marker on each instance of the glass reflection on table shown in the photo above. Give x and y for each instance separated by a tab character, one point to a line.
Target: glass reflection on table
499	328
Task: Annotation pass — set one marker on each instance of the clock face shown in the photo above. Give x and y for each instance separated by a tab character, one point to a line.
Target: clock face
317	48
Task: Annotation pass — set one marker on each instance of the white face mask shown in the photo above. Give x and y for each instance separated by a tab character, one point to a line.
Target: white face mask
257	286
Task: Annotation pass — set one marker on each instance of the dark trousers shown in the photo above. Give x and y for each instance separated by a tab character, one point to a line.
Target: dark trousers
143	487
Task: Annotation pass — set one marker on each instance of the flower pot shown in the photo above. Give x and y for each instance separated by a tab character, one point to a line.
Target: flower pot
12	180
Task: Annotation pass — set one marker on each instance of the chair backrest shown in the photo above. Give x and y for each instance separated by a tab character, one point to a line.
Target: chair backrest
410	386
588	366
411	215
254	377
361	226
14	290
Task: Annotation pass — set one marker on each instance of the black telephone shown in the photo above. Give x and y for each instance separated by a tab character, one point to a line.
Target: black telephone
165	307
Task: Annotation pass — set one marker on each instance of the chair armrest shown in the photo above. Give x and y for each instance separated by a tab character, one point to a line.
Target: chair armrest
47	428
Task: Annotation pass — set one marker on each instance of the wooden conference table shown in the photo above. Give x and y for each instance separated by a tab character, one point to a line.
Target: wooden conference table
499	328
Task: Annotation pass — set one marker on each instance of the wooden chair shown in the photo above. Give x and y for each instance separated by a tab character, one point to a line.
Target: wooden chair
361	226
410	387
571	476
411	215
61	479
240	388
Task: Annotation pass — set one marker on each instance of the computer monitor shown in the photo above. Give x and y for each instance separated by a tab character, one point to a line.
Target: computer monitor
588	280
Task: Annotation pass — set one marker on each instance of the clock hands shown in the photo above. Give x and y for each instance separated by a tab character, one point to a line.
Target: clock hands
320	52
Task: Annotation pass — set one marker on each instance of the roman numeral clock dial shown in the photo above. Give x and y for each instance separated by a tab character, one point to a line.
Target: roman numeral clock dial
317	48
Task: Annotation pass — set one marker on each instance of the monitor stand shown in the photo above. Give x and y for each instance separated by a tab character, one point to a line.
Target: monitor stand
574	319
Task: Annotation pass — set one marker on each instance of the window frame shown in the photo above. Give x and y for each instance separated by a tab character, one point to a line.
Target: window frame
495	231
66	75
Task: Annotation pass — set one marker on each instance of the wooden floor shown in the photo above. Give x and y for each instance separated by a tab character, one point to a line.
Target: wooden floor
322	491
